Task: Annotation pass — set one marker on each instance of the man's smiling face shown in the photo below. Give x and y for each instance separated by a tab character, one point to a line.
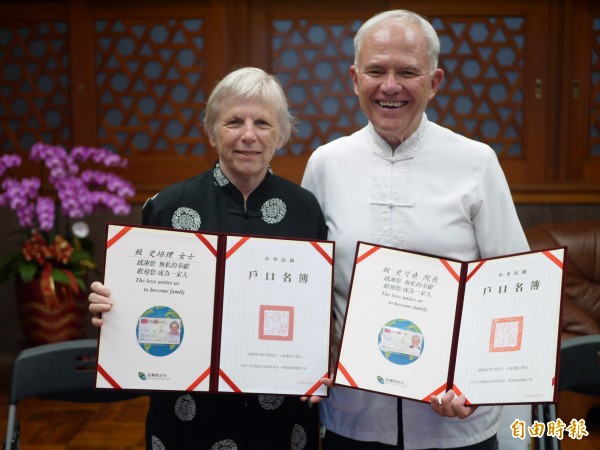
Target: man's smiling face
393	79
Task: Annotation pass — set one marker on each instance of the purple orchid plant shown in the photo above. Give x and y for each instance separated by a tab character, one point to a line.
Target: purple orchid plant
78	193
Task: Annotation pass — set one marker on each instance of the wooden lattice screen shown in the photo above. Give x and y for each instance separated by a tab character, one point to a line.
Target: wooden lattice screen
35	93
134	79
149	87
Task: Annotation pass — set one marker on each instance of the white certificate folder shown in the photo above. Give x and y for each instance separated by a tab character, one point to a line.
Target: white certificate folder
418	325
215	313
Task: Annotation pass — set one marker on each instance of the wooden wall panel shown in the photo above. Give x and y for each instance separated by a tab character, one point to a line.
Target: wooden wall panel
133	76
488	56
581	145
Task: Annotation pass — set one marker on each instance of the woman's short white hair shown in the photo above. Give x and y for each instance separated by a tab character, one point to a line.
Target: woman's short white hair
250	83
401	15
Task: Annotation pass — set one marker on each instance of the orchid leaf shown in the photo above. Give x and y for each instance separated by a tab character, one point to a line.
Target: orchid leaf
27	270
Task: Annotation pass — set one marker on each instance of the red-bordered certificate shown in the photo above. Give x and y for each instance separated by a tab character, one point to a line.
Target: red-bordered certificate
418	325
214	312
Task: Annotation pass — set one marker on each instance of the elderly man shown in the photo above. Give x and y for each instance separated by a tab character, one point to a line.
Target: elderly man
406	182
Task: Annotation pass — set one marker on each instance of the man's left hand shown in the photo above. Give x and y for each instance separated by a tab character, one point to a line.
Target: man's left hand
452	406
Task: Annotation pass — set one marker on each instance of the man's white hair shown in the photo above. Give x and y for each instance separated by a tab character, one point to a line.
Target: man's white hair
401	15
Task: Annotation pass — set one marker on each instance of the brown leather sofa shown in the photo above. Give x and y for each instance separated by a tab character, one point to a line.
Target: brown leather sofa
581	303
581	309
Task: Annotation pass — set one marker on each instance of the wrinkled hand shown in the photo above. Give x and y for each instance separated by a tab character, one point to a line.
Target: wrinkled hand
315	398
452	406
99	302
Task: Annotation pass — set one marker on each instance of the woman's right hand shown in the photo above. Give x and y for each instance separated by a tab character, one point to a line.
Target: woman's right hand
99	302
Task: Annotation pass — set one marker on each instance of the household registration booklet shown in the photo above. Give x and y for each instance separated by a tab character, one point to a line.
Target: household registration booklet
418	325
215	313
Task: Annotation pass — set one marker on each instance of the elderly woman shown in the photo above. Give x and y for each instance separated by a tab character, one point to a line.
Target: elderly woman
246	120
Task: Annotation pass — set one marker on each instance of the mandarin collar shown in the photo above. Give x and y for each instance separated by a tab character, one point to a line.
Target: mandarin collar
222	182
404	150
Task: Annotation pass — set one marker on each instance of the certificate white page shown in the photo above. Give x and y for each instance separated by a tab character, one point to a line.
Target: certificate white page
158	334
276	316
508	337
399	324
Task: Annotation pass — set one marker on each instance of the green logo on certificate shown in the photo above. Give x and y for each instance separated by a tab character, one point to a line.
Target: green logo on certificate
400	341
159	331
